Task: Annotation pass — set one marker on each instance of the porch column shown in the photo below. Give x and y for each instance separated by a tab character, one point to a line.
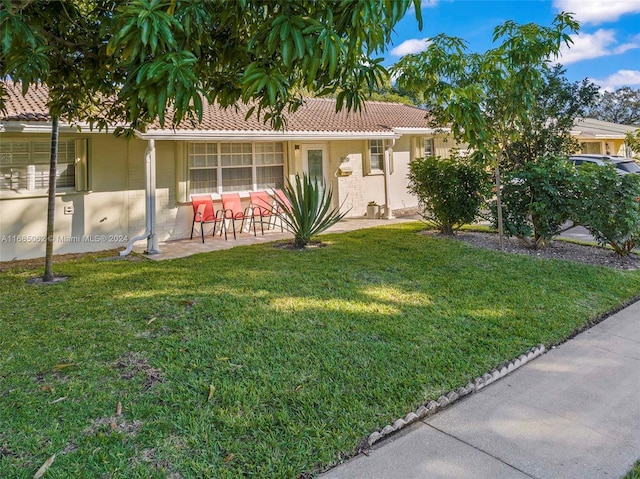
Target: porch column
149	204
152	239
387	169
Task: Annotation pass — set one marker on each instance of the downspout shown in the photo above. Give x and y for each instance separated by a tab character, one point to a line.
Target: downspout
149	204
388	215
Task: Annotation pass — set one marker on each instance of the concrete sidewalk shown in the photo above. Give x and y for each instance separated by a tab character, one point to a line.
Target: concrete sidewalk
572	413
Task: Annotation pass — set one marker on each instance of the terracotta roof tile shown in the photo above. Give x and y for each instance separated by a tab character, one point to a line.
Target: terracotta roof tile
315	115
32	107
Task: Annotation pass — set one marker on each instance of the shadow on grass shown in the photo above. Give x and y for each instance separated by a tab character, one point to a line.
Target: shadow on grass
273	362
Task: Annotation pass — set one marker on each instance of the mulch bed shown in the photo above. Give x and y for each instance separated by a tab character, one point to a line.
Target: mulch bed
557	249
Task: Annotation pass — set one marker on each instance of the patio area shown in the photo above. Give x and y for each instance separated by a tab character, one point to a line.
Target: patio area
187	247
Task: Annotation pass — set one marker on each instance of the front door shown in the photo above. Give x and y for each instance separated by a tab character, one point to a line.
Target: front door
315	161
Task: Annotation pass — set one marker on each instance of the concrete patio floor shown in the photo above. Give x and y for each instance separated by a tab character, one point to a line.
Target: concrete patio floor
186	247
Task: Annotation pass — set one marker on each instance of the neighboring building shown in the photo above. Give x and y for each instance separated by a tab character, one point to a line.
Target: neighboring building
107	187
602	137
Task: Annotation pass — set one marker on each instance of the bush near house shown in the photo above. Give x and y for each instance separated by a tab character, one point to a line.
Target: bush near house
451	190
608	205
537	198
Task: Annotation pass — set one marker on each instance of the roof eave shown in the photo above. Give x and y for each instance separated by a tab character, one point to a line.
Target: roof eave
239	135
421	130
598	136
12	126
41	127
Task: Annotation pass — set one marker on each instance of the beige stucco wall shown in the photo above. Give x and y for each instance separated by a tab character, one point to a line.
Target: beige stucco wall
406	149
100	217
400	197
356	190
615	146
113	210
167	208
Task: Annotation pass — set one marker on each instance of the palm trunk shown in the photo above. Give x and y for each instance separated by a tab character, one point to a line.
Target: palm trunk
51	202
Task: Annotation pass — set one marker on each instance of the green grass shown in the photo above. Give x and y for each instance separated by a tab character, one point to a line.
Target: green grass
264	362
634	473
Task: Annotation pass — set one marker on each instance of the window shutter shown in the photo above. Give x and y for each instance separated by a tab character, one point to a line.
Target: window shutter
417	147
366	158
182	174
82	180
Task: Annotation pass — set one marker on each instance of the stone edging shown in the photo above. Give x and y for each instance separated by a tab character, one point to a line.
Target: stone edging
432	407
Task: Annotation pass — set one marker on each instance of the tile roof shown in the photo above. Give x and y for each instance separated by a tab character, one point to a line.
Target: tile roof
592	128
315	115
32	107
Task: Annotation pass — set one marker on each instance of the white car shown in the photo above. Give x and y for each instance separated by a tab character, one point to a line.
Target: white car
624	166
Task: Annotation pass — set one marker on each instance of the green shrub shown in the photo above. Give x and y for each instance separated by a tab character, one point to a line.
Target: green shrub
537	199
450	190
608	205
307	210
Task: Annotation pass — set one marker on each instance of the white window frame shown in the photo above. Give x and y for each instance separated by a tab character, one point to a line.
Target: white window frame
277	157
369	167
431	149
266	164
38	153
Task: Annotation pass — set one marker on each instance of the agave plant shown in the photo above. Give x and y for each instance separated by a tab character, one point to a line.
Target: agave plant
305	209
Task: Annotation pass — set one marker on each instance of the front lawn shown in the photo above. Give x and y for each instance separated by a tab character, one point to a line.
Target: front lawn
264	362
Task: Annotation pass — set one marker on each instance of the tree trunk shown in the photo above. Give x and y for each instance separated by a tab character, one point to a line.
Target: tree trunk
499	206
447	229
51	202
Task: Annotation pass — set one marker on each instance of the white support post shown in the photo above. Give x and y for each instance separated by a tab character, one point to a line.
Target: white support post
388	215
152	239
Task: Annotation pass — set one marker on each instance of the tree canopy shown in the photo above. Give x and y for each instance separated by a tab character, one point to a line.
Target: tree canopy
551	118
162	57
486	98
133	63
620	106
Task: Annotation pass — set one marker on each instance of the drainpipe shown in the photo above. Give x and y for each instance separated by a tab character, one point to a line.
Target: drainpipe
149	204
388	215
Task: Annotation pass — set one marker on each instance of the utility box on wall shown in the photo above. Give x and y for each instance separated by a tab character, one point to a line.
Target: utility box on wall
345	170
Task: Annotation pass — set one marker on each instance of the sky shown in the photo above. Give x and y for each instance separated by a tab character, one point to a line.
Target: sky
606	49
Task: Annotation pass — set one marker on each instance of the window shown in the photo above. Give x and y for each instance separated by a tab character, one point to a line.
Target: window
203	167
269	162
376	155
225	167
429	150
591	147
24	165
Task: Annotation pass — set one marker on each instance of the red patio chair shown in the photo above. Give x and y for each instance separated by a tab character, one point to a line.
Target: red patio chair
261	207
282	206
204	213
232	206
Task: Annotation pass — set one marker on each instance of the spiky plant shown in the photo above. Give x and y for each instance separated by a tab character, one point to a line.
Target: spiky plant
307	209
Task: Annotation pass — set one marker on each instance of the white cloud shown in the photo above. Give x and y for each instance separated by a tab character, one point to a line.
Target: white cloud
597	11
619	79
414	45
624	47
593	45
